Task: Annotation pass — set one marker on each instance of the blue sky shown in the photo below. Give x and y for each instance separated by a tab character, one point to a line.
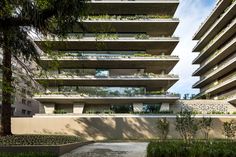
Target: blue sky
191	14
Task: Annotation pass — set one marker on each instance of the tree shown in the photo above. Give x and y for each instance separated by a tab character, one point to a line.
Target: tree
163	126
17	18
205	126
186	125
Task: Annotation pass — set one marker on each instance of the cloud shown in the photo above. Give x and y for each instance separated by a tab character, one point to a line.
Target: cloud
191	14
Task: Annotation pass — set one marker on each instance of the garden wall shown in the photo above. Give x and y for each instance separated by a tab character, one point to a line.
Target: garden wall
106	127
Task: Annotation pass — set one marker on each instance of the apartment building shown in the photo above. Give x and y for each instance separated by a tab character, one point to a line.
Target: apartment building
23	104
217	58
120	61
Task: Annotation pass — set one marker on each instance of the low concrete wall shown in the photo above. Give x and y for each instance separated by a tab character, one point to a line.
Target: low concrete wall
55	150
106	127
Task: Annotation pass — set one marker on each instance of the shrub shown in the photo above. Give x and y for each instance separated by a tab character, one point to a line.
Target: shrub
163	127
27	154
229	129
195	149
59	112
186	125
205	126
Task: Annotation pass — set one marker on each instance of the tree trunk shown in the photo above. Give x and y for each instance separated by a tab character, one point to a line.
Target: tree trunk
6	88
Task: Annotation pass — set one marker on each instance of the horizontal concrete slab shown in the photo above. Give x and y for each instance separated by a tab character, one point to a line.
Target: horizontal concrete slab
227	50
162	7
60	99
218	10
155	65
221	23
150	83
155	45
157	27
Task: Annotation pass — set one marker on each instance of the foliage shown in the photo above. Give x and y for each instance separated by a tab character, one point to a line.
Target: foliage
27	154
229	129
205	126
37	140
163	126
106	36
195	149
59	112
186	125
142	36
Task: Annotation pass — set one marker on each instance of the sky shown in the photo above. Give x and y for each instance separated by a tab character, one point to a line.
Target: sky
191	14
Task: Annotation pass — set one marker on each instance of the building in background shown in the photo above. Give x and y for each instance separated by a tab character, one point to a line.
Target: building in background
217	58
120	64
24	88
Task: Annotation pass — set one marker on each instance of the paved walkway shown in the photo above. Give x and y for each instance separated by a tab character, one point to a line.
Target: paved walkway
127	149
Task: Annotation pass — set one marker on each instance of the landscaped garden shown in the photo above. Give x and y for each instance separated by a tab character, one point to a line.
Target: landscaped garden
34	140
189	146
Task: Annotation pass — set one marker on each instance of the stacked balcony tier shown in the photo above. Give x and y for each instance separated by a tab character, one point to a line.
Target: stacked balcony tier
217	57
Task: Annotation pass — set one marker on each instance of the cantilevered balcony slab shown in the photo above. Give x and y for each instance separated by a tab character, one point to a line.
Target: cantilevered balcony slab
232	100
152	64
143	7
150	83
224	86
227	50
216	27
155	44
221	71
67	99
218	10
216	43
153	27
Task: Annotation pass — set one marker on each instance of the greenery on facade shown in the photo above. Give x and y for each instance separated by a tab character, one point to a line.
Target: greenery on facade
37	140
142	36
136	17
229	129
106	37
163	127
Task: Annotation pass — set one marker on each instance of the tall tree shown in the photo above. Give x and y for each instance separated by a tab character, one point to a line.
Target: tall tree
17	18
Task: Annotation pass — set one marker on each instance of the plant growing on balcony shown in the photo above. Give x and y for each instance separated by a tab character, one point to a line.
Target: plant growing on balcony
142	36
106	36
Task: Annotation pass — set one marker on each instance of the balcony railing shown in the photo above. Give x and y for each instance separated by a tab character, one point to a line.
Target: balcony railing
134	76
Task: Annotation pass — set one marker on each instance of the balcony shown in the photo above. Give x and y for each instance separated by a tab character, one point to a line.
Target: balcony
224	19
215	58
215	14
164	7
224	68
110	42
119	99
164	25
216	42
150	81
154	64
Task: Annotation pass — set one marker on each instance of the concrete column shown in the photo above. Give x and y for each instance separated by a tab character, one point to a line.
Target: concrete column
138	107
165	107
49	108
78	108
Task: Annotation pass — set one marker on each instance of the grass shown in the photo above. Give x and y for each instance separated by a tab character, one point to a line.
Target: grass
37	140
177	148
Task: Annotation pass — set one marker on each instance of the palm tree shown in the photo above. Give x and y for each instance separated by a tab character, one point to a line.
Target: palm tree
17	18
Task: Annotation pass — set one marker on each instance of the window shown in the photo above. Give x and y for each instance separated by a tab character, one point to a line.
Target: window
23	101
23	111
102	73
28	112
29	103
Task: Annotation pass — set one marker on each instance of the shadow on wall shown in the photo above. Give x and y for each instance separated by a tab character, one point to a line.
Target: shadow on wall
105	127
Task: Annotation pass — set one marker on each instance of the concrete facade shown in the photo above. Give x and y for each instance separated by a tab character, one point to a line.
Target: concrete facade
217	57
99	127
122	61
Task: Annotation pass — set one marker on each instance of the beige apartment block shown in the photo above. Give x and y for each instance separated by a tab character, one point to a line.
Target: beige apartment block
217	53
120	62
